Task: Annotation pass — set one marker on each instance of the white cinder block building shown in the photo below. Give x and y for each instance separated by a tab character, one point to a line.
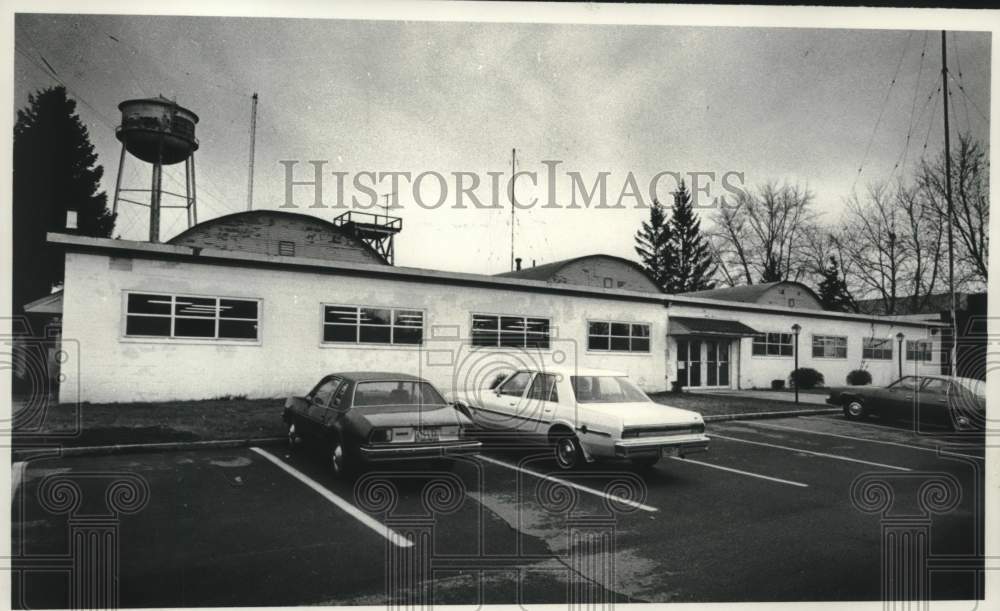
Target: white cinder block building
264	303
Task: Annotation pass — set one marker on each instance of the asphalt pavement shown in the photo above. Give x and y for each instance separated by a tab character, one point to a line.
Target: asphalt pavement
790	509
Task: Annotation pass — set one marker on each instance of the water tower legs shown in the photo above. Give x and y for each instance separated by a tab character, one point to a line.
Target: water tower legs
154	204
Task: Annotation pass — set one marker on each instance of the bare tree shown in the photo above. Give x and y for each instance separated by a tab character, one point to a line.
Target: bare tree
763	233
970	199
892	240
873	245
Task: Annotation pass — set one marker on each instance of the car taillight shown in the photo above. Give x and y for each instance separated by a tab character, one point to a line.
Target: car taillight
381	435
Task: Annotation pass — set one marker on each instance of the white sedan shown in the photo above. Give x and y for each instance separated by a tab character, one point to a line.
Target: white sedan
586	415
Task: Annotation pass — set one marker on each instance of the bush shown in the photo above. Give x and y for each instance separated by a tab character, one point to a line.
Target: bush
806	377
859	377
777	384
497	379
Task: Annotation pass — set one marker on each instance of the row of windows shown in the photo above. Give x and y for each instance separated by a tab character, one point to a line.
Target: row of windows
183	317
835	347
198	317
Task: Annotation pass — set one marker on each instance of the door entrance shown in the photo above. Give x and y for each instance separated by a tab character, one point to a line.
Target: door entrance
703	363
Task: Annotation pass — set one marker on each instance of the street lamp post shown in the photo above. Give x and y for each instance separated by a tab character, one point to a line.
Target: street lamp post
899	349
795	329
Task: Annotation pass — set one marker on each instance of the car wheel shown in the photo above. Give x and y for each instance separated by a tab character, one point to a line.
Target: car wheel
855	410
568	452
339	458
293	437
645	463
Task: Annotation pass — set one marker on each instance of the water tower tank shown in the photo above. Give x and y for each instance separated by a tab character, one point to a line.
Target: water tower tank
157	130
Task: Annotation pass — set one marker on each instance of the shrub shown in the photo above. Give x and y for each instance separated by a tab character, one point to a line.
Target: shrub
806	377
497	379
777	384
859	377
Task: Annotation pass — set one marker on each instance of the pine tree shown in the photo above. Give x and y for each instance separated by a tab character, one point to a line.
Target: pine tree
833	292
652	243
693	267
54	172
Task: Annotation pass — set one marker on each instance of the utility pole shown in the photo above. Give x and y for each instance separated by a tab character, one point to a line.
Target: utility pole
253	144
951	212
513	200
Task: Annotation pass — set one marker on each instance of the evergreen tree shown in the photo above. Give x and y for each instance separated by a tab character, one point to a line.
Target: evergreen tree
54	172
652	244
833	292
693	267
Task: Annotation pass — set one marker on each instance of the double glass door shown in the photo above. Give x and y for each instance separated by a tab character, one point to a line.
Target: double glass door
703	362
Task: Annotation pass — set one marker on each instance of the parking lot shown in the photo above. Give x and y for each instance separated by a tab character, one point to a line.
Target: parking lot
778	510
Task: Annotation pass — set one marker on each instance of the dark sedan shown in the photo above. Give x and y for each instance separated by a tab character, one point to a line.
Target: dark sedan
959	402
360	418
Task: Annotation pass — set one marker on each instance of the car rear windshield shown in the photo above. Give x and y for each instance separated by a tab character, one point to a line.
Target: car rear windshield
606	389
396	392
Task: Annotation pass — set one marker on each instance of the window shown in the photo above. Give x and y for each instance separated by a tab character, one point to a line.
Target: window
355	324
918	350
829	347
907	383
184	317
791	303
936	385
514	385
609	283
286	249
606	389
510	331
617	336
773	344
877	349
324	392
396	392
543	388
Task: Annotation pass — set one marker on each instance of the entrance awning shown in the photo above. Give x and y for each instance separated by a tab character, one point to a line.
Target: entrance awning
712	327
50	304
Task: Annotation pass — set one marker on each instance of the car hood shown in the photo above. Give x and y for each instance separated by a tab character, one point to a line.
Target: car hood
643	413
409	415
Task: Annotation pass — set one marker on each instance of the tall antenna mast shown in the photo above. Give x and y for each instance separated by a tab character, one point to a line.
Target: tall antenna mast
951	211
513	200
253	144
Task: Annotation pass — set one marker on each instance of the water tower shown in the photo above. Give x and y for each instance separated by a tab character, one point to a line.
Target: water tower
159	132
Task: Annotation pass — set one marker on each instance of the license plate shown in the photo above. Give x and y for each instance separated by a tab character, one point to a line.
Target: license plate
669	452
427	435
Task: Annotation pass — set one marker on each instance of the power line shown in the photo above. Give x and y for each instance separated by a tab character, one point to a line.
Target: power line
958	64
913	107
962	90
885	102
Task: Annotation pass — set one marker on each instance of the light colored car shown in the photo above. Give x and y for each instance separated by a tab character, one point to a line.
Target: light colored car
586	415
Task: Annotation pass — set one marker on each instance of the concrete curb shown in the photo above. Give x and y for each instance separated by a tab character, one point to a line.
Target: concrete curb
766	415
137	448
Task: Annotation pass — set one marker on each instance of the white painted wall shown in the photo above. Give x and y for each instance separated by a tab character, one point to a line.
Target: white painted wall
290	357
758	371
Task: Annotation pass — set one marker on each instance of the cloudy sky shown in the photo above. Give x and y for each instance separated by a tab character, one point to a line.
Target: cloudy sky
790	105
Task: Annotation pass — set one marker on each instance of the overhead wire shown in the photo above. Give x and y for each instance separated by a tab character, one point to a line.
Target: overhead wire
885	102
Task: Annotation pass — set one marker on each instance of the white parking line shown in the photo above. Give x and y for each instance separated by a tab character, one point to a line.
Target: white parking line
396	538
615	498
888	443
16	475
731	470
814	453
